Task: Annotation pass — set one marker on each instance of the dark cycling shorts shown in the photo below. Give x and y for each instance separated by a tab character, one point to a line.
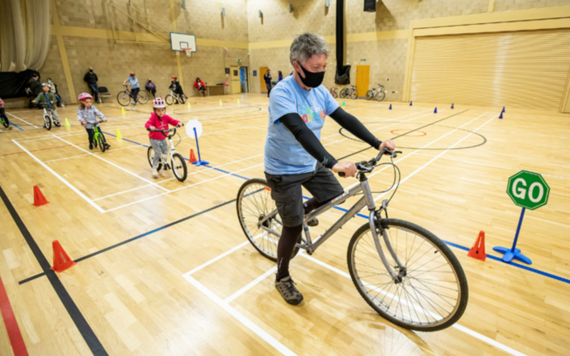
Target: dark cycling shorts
287	192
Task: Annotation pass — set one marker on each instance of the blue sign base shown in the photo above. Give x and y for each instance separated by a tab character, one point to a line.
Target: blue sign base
200	163
509	254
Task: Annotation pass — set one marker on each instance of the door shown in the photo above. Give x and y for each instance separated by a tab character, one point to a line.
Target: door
234	77
362	80
243	80
262	71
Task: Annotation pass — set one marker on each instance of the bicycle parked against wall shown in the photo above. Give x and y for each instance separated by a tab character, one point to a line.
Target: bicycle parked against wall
334	92
378	93
177	162
403	271
48	117
170	98
124	97
349	93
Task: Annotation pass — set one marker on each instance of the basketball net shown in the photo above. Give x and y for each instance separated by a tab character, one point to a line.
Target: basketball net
188	51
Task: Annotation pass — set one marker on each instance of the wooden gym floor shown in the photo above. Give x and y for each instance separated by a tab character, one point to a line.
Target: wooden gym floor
164	267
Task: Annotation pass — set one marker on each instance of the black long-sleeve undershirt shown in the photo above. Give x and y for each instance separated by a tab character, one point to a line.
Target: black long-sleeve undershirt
294	123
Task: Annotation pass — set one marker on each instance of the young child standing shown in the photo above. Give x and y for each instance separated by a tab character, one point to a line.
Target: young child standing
48	99
159	121
87	115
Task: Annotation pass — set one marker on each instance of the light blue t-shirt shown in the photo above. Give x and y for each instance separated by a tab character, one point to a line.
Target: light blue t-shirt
134	82
283	153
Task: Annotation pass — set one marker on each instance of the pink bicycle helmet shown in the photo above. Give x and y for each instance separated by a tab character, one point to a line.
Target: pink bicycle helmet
84	96
158	103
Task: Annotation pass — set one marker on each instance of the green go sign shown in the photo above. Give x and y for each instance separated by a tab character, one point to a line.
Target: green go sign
528	190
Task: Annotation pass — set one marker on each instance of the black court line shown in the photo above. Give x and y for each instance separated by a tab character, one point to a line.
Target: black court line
133	239
74	312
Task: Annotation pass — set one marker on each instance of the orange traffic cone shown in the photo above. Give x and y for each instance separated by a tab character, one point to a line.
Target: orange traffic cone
192	157
478	249
61	260
39	198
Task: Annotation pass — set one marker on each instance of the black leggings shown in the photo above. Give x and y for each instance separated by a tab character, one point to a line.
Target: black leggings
91	133
3	115
135	93
289	237
153	92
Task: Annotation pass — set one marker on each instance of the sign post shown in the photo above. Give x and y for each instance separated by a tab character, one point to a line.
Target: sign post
529	191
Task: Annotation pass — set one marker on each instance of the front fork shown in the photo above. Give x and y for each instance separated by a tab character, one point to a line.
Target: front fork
375	222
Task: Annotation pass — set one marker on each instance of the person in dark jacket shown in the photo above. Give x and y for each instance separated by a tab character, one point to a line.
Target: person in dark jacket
176	87
91	79
35	85
150	87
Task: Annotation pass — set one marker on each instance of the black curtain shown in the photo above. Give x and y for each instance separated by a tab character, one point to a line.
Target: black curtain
342	76
12	84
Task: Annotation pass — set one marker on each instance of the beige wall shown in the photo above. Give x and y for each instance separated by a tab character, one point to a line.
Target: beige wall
380	37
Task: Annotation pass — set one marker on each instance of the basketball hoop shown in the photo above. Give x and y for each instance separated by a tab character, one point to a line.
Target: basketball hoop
188	51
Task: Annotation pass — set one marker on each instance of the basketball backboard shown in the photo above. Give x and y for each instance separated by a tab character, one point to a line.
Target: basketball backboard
179	41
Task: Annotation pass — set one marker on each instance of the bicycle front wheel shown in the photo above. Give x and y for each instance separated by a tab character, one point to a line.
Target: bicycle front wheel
343	93
354	94
100	142
142	97
169	99
179	167
5	122
433	292
254	204
123	98
47	121
381	95
150	156
369	95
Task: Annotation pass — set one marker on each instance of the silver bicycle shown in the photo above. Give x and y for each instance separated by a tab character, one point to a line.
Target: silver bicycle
48	118
177	162
404	272
170	98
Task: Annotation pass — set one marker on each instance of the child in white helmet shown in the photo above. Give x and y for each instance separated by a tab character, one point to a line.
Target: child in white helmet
87	115
159	121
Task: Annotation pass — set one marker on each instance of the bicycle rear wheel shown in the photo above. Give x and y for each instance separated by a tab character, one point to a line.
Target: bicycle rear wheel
369	95
253	204
123	98
100	142
381	95
169	99
354	94
433	293
183	98
179	167
150	155
343	93
142	97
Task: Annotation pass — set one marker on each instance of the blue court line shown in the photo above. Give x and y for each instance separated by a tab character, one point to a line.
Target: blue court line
13	124
530	269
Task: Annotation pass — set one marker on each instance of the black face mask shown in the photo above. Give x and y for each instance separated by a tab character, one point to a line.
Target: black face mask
91	70
312	80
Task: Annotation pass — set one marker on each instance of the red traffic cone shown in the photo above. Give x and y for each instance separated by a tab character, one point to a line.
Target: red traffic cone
39	198
192	157
478	249
61	260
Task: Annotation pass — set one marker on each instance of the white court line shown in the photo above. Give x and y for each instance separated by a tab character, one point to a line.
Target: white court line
215	259
22	120
87	154
242	319
492	166
125	191
61	179
532	134
459	327
250	285
113	164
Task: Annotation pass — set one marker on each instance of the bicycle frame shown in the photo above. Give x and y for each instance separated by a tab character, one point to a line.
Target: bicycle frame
47	112
374	220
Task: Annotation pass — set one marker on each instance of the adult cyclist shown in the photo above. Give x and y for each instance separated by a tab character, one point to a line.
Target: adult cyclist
294	155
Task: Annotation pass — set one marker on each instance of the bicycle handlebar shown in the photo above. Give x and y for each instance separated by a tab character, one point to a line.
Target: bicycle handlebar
368	166
173	130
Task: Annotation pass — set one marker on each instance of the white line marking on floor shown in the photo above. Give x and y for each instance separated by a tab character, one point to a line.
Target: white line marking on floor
22	120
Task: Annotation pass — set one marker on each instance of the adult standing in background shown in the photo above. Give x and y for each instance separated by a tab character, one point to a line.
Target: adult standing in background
150	87
35	85
280	76
135	88
91	79
267	77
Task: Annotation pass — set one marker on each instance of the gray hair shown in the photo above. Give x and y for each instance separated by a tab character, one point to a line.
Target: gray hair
307	45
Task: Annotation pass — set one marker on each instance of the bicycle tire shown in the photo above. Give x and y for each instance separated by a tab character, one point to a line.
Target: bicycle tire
179	167
5	122
150	155
381	95
433	244
47	121
369	95
266	244
100	142
354	94
343	93
123	98
142	97
183	98
334	94
169	99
